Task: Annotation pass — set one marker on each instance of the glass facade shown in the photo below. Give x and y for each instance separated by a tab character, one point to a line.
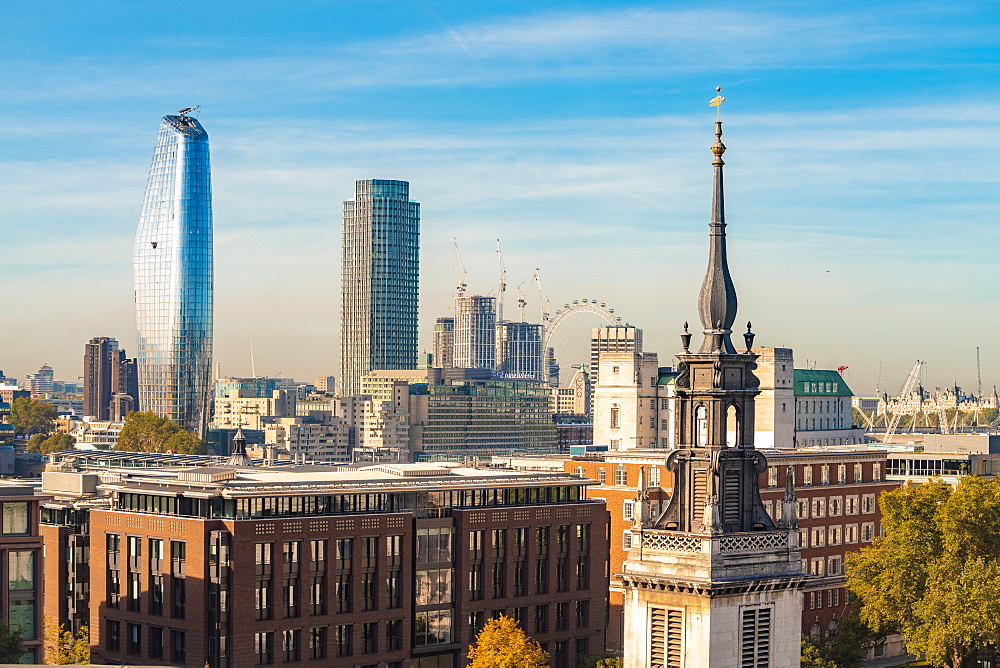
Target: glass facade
172	268
379	291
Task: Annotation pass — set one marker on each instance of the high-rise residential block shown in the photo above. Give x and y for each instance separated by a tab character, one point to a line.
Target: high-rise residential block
380	281
519	350
444	343
475	332
110	380
172	266
41	383
612	339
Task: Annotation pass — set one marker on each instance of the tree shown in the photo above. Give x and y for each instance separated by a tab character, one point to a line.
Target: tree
31	416
145	431
848	646
503	644
41	445
11	650
933	576
63	647
603	660
812	658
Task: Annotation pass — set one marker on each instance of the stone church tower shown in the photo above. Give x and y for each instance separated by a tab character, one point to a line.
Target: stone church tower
713	582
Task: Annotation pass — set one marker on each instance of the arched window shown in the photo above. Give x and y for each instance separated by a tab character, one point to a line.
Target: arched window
701	426
616	418
732	427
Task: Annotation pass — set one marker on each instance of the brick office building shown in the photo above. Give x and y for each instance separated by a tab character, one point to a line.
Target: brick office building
388	566
22	558
836	489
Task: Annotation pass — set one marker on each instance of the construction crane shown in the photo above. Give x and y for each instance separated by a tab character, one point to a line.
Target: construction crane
185	112
502	289
543	301
521	302
460	273
904	393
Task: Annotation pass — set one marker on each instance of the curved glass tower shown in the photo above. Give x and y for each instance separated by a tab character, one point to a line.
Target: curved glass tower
172	269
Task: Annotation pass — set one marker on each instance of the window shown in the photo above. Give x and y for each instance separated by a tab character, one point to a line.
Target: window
156	594
264	646
803	537
394	550
263	599
498	581
433	627
818	566
876	472
851	533
541	619
342	592
579	471
807	475
772	476
836	506
290	639
369	596
317	551
852	505
628	510
867	532
290	552
582	614
582	537
393	634
836	535
857	473
135	592
476	582
621	475
542	540
615	416
582	573
818	536
178	645
20	569
519	579
818	506
542	576
317	642
179	600
499	543
392	590
113	642
343	552
602	476
155	642
317	595
476	543
15	518
824	474
653	479
802	508
343	639
114	588
867	504
835	565
626	540
841	473
477	619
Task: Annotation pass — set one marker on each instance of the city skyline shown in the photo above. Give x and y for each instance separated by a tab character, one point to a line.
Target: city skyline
570	132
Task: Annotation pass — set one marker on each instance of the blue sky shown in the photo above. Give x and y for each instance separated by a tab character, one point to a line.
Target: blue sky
861	171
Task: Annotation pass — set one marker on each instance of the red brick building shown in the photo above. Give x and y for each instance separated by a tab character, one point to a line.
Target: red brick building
390	566
837	492
22	558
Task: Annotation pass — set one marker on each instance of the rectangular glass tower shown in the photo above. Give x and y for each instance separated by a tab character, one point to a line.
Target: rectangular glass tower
380	286
172	268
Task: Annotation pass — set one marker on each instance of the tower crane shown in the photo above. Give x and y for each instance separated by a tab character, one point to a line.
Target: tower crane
460	272
904	393
502	290
543	301
521	302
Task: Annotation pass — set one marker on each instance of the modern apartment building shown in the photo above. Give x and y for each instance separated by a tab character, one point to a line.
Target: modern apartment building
519	350
475	335
22	556
388	566
172	265
380	281
110	380
444	343
612	339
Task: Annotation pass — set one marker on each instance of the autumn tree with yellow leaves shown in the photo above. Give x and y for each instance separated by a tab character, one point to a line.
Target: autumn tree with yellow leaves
503	644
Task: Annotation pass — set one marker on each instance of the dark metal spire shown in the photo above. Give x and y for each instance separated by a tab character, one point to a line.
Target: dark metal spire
239	457
717	300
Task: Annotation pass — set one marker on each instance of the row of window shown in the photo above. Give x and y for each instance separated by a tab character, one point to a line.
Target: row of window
824	474
837	535
814	599
833	506
312	643
160	642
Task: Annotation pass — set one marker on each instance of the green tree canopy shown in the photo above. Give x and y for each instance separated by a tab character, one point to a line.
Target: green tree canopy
812	658
11	650
145	431
933	576
503	644
31	416
42	445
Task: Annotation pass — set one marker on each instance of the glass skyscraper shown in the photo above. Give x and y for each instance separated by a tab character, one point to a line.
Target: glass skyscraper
172	268
379	290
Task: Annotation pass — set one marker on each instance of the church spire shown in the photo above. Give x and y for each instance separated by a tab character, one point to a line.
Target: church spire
717	300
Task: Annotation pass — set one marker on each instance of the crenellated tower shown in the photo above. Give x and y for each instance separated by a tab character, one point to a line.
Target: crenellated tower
713	580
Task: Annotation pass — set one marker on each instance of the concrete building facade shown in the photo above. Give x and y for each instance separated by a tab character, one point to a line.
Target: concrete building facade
475	334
